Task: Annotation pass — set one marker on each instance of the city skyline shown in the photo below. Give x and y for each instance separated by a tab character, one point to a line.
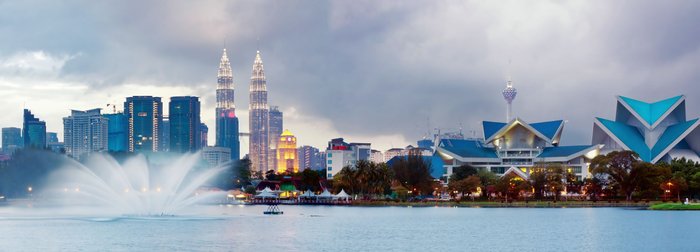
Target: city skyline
465	63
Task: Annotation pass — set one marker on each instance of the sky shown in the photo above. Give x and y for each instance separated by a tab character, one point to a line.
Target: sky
385	72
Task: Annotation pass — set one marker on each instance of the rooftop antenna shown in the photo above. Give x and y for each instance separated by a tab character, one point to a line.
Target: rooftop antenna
257	43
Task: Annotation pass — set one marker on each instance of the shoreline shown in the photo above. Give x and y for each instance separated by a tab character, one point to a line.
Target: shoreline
518	204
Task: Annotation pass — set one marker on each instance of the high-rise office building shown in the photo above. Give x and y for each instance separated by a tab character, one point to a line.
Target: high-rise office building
33	131
165	135
117	132
362	151
185	131
11	140
309	158
85	132
287	161
204	135
53	144
144	120
259	118
51	137
226	120
276	128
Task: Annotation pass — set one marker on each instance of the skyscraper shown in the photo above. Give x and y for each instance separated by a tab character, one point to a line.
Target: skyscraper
259	118
11	140
145	117
164	135
185	124
287	160
85	132
226	120
33	131
276	128
204	135
117	132
309	158
51	137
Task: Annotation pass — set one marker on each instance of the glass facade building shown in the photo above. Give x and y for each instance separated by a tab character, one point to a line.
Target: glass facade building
144	120
11	140
185	124
227	127
33	131
276	128
85	132
116	132
259	118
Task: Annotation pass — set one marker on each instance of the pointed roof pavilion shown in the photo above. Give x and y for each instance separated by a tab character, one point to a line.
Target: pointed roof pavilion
652	130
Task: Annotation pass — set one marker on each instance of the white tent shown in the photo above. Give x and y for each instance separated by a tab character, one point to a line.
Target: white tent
325	194
266	194
342	195
308	194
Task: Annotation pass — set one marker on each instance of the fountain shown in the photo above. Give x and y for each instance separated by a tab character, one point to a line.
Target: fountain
130	188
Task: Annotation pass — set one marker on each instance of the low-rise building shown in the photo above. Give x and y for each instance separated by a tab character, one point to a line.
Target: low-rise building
216	156
517	146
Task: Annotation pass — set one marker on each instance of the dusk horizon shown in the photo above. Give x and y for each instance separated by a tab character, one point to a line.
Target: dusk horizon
350	71
349	125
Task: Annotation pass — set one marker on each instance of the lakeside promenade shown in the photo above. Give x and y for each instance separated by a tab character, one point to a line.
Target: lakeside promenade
516	204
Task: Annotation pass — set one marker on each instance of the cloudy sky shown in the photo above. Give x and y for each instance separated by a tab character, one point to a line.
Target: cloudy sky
384	72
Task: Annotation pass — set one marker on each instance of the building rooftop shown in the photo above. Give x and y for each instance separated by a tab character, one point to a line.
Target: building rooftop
468	148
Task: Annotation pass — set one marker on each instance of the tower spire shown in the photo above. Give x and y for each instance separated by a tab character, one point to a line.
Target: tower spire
509	94
224	87
259	118
226	120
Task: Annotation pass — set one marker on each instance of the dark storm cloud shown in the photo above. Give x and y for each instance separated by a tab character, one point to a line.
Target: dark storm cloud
383	67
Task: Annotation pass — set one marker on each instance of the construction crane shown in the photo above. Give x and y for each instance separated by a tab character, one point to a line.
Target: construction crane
114	107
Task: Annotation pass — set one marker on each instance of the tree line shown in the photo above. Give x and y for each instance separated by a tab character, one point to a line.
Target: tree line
407	176
618	175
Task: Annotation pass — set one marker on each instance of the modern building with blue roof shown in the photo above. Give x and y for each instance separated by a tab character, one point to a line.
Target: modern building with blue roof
516	146
656	131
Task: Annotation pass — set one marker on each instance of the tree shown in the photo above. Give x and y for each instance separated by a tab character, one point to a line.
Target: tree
538	180
467	185
622	170
555	179
310	180
250	189
243	174
690	172
488	181
378	179
271	175
346	180
462	172
413	173
511	186
593	187
29	168
652	176
549	178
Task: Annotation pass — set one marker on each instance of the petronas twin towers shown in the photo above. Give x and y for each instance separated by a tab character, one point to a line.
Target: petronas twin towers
227	122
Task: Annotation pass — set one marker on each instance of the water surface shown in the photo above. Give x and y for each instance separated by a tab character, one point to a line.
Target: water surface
322	228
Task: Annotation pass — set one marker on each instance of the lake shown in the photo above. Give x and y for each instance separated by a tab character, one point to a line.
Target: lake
325	228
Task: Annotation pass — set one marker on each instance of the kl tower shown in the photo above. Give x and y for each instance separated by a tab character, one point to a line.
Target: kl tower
509	94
